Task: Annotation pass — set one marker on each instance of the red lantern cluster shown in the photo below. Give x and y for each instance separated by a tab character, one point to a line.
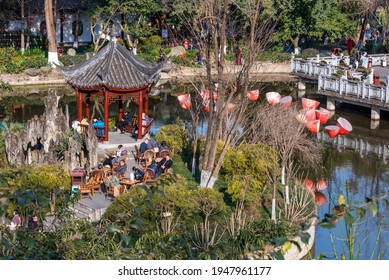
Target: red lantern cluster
320	198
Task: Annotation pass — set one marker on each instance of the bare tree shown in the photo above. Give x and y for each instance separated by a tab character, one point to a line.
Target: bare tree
278	127
211	23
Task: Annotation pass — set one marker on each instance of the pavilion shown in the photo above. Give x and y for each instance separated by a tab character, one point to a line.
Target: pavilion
113	74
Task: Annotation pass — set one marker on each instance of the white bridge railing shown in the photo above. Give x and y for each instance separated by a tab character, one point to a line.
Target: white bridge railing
327	65
362	146
343	87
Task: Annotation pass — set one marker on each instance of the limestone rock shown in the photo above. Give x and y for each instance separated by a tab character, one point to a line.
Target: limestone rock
45	70
32	72
71	52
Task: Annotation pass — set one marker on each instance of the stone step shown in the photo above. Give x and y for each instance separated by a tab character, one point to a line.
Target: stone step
83	212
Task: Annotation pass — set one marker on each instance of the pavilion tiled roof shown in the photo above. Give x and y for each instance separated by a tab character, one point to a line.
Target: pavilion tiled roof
115	67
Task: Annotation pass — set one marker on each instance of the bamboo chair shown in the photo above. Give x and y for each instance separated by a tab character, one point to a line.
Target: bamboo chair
164	153
98	179
84	189
149	176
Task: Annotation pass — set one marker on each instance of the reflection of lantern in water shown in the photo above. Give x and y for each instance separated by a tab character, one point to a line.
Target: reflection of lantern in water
273	97
320	199
321	185
345	126
253	95
332	130
309	103
184	100
308	183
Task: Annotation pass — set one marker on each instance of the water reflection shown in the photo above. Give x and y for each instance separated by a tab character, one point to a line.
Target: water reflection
366	174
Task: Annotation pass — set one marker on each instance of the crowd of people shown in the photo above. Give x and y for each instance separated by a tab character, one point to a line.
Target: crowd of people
117	168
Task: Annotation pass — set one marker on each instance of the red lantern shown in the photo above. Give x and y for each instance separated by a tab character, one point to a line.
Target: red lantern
309	103
345	126
308	183
204	94
286	101
321	185
332	130
320	199
323	115
313	126
306	115
230	107
253	95
273	97
184	100
206	108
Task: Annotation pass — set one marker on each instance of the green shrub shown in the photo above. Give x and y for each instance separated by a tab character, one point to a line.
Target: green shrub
174	135
67	60
245	168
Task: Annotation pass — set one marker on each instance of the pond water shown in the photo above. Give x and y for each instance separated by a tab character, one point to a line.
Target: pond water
367	174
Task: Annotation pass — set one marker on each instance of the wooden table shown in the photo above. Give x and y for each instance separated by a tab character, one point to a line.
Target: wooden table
128	183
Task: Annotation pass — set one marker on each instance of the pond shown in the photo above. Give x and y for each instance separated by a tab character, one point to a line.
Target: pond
365	173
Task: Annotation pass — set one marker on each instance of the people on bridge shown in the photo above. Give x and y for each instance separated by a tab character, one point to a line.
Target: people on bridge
364	60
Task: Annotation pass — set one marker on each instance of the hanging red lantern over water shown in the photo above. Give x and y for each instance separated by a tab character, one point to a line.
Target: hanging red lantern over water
309	103
313	126
320	199
230	107
345	126
286	101
306	115
273	97
253	95
332	130
323	115
184	100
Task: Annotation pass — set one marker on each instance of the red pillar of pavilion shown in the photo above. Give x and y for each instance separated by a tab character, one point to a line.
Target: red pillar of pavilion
79	106
140	111
106	105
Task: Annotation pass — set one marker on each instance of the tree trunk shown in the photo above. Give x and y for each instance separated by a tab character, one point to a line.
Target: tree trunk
52	54
295	43
76	30
22	43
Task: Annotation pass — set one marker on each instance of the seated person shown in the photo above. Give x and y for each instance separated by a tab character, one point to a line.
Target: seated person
127	119
84	121
163	146
152	144
144	146
138	174
121	168
112	181
145	121
153	167
164	164
119	154
99	123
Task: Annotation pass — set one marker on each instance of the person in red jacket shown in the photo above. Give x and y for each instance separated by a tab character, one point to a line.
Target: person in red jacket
350	45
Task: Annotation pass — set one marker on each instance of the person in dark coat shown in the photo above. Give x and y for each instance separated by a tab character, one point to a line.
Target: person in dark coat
164	164
144	146
121	168
127	119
